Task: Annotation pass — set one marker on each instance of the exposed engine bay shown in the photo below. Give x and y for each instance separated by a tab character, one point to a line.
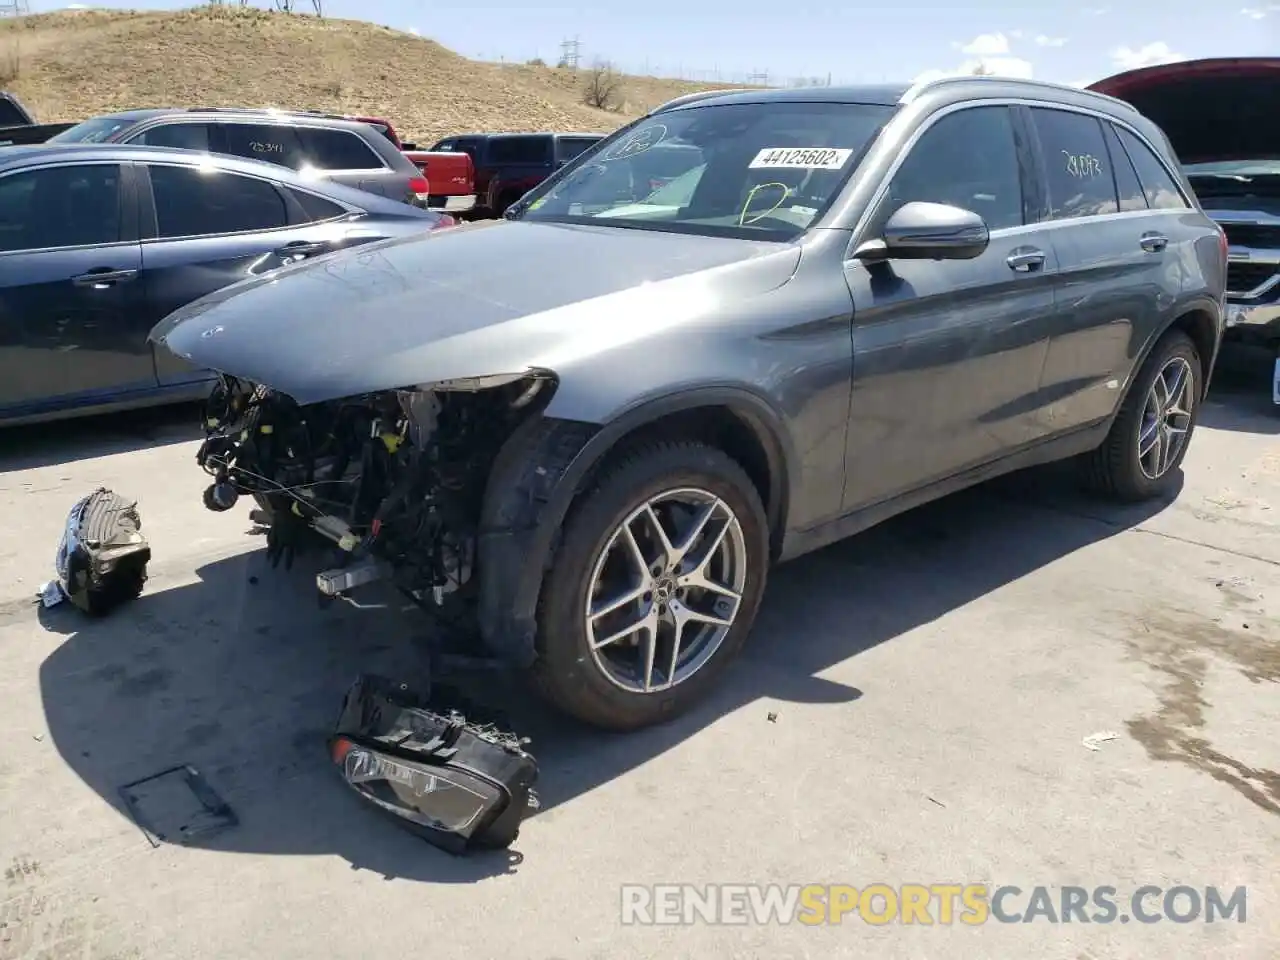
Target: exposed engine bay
393	482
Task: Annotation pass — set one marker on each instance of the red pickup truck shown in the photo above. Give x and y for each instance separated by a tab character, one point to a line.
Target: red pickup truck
451	176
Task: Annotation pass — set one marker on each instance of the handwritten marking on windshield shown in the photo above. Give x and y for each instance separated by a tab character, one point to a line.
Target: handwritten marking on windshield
800	158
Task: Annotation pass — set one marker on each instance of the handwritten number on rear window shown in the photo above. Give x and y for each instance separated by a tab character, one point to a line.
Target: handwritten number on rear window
1082	166
257	146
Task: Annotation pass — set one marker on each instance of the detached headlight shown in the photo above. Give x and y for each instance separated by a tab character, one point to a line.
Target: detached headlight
459	785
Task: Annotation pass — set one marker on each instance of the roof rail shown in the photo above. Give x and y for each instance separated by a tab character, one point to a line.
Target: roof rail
918	89
693	98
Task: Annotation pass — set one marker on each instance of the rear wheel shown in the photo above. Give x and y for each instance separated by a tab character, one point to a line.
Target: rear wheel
1141	456
654	587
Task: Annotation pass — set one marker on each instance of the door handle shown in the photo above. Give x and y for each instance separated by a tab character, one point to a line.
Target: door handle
102	277
1026	259
1153	242
301	248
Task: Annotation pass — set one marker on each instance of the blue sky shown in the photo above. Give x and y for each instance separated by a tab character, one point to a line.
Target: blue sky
894	40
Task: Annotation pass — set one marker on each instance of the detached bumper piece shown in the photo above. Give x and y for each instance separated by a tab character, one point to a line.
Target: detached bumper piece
459	785
102	559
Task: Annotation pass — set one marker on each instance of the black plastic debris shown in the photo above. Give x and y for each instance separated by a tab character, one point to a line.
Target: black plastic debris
176	806
459	784
102	558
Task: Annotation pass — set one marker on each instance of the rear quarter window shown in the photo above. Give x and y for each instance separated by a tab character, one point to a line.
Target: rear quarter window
1157	183
10	115
328	149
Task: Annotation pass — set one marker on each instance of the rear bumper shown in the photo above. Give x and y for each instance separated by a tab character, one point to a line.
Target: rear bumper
452	204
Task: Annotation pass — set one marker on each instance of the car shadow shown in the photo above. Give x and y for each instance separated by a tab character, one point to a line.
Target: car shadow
32	446
241	675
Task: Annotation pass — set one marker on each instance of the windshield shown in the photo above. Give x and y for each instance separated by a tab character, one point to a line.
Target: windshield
97	130
1233	168
762	170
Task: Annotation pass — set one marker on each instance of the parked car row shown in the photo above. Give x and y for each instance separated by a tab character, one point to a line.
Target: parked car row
585	431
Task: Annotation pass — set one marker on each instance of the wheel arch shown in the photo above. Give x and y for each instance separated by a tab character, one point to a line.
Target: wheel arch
547	463
1199	319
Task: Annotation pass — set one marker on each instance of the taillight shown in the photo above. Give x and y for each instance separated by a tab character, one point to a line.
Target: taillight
445	221
420	186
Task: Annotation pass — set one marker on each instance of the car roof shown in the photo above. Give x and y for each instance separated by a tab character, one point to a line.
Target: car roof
22	155
526	133
956	88
308	117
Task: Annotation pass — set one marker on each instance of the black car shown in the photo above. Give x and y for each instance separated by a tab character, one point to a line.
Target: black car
97	243
349	152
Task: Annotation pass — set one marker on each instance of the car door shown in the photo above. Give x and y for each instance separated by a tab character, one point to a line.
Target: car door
947	354
71	330
1117	264
204	228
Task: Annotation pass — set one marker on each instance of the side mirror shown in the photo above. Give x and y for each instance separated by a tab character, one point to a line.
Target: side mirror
929	231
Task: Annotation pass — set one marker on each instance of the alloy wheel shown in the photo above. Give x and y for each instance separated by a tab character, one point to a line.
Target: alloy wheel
1166	418
665	590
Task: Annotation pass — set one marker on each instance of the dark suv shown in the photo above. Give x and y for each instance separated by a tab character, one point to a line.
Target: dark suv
509	165
348	152
858	301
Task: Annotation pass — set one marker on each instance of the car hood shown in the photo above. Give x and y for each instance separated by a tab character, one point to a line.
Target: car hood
1211	110
491	298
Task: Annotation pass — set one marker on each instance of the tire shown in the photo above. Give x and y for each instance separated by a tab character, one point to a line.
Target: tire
568	673
1115	469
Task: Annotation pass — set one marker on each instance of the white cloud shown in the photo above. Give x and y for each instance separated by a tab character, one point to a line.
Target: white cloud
1260	13
1079	83
1044	41
1016	34
1149	55
414	31
993	66
985	45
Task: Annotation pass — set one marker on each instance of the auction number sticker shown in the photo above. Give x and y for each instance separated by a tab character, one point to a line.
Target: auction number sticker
801	158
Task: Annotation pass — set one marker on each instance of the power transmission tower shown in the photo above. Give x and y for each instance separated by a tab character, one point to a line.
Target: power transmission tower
570	53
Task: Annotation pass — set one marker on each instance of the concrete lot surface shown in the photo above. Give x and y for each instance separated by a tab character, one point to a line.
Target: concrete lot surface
911	709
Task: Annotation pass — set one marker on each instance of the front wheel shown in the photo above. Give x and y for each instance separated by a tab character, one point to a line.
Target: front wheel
654	587
1141	456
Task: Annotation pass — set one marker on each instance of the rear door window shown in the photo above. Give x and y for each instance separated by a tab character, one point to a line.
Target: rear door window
327	149
189	136
69	206
191	202
272	142
1078	168
1157	183
520	150
567	148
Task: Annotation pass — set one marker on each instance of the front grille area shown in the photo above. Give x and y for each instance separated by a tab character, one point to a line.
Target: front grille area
1243	277
1264	236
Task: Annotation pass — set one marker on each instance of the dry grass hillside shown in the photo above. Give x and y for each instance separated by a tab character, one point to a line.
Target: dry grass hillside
74	64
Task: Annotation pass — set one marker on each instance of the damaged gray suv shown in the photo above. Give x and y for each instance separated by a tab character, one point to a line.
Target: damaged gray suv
581	435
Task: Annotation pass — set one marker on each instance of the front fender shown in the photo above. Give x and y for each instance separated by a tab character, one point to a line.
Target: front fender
547	462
